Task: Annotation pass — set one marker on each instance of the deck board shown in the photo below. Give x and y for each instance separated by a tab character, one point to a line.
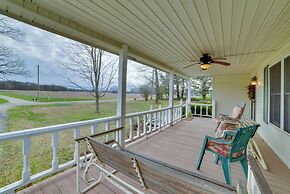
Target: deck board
180	146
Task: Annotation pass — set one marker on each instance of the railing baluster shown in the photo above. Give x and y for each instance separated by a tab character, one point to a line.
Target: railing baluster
173	114
150	123
159	118
117	132
76	135
165	118
144	125
25	153
138	126
200	111
195	109
180	112
131	121
206	110
164	124
107	128
54	143
155	121
93	129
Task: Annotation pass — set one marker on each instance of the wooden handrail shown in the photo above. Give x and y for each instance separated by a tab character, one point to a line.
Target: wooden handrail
100	133
259	178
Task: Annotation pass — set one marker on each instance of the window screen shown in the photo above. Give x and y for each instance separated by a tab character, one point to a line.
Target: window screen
275	93
266	93
287	94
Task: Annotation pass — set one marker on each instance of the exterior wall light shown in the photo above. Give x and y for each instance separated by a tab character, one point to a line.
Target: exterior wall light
254	81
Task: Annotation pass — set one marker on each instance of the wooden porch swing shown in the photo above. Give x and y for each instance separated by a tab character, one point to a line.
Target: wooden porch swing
151	174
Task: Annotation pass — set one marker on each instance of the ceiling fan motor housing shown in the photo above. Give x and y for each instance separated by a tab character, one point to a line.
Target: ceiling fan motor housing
206	59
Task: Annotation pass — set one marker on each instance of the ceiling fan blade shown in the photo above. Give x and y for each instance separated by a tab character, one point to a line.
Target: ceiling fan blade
222	63
219	58
195	63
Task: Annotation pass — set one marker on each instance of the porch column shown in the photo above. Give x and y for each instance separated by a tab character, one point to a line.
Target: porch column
171	95
189	83
121	100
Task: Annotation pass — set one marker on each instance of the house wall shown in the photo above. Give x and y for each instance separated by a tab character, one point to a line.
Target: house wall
278	140
231	90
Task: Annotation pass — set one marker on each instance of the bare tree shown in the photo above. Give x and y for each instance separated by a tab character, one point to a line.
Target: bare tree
202	85
89	69
157	87
182	88
10	62
152	76
145	91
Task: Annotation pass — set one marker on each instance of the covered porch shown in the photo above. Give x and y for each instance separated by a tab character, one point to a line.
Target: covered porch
180	146
171	35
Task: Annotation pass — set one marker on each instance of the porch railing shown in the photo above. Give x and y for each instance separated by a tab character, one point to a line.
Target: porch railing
203	109
138	125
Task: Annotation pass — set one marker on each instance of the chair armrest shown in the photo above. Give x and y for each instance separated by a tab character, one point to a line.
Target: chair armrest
229	132
220	140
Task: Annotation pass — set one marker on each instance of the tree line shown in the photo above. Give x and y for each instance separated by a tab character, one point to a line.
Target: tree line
16	85
157	85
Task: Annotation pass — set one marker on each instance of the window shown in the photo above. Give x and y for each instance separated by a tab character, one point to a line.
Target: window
287	94
275	94
266	85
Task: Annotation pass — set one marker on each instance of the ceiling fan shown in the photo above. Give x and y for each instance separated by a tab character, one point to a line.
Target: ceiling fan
206	61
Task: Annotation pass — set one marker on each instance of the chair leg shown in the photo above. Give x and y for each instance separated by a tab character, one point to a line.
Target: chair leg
226	164
244	163
216	160
201	155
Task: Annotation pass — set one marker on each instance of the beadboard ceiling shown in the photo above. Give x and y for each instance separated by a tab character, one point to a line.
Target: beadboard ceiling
168	33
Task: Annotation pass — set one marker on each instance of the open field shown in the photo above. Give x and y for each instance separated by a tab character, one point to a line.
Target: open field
3	101
51	96
26	117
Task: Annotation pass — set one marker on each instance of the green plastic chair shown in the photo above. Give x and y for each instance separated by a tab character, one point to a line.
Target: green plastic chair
229	150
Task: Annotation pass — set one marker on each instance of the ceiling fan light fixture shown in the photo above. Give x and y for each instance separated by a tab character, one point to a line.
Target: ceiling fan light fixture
205	66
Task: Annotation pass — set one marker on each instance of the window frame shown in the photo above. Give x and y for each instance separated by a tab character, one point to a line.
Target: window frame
265	94
282	96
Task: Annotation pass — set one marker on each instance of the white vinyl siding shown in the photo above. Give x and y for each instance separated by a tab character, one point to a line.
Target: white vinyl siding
231	90
275	137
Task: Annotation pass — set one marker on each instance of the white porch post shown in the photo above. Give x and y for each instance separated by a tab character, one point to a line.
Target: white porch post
121	100
171	100
189	83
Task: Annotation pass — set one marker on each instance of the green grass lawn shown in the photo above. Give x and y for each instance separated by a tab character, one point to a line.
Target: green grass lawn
41	98
27	117
3	101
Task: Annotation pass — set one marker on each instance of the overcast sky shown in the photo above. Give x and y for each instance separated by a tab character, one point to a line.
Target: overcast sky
39	47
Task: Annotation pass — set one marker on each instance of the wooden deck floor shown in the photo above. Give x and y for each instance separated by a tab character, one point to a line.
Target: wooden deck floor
179	145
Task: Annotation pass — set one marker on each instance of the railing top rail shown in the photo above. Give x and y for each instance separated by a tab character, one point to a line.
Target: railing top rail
201	104
48	129
146	112
99	134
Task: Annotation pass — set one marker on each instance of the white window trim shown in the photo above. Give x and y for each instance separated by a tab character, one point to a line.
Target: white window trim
282	96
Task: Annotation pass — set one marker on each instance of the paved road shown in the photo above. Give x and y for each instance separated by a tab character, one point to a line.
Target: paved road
13	102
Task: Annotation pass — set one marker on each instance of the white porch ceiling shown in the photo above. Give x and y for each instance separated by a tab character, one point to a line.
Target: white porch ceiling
168	33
